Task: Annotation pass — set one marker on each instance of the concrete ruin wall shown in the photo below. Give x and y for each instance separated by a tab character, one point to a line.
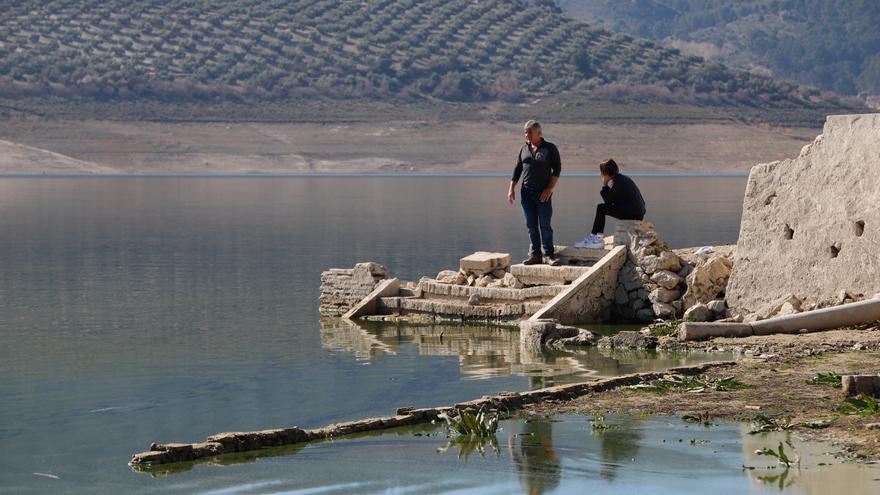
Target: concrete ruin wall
811	225
343	288
590	297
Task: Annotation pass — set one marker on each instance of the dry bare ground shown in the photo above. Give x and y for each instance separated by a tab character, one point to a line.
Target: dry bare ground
145	147
777	367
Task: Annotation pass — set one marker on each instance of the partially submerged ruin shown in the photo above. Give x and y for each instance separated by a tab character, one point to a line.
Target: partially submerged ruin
809	239
636	278
810	232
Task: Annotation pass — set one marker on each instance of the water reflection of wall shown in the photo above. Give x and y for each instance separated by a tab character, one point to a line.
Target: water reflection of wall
532	452
490	351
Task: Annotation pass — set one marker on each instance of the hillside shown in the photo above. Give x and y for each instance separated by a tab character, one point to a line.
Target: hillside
214	53
832	44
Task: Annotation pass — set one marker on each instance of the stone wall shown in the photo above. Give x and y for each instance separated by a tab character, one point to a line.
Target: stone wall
810	228
342	288
657	282
590	297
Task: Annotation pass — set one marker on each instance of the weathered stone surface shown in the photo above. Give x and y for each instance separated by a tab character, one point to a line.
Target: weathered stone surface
590	296
666	279
620	295
645	315
547	275
662	295
708	279
342	288
698	312
474	300
483	262
649	264
678	306
369	304
499	294
811	225
512	282
462	310
718	307
774	308
861	384
580	255
663	310
546	332
628	340
686	269
483	281
450	277
532	332
668	260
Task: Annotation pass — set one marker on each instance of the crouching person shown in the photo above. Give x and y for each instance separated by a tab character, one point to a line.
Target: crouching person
621	200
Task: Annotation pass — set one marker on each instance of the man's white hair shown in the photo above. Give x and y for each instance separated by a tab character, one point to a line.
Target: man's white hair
533	124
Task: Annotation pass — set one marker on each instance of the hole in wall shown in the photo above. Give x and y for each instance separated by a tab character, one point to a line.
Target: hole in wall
859	228
835	250
789	232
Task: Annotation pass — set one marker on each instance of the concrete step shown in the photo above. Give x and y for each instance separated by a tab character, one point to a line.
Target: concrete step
438	290
546	274
570	255
456	310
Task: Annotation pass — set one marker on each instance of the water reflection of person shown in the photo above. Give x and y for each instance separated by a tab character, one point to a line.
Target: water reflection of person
619	446
537	463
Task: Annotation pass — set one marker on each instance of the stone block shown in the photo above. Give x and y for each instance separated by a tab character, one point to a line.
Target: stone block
662	295
663	310
547	275
483	262
718	307
666	279
861	384
698	312
628	340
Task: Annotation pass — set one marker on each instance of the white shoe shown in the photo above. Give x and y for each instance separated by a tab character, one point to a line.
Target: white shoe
592	241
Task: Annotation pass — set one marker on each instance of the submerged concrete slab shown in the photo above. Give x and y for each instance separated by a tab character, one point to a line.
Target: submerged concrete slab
461	310
484	262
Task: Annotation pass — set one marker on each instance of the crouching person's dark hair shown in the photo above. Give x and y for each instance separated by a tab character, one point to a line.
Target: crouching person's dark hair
609	167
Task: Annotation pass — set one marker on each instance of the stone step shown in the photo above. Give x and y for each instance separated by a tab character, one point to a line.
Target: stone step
439	290
546	274
570	255
449	309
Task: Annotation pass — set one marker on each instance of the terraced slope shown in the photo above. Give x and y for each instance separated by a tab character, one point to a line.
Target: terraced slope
458	50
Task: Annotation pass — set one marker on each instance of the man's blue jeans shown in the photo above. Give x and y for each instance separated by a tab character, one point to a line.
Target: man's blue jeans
537	221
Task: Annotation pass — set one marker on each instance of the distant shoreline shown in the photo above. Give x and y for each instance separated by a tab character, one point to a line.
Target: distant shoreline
39	147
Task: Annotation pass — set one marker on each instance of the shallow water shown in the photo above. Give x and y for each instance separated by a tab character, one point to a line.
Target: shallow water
135	310
543	455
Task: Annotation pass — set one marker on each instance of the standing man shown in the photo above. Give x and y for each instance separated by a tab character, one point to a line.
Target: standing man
539	166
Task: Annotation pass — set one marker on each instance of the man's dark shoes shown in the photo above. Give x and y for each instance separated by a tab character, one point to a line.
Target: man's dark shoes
533	260
552	261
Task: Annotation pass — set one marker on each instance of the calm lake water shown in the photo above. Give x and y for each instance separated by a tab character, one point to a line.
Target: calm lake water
135	310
